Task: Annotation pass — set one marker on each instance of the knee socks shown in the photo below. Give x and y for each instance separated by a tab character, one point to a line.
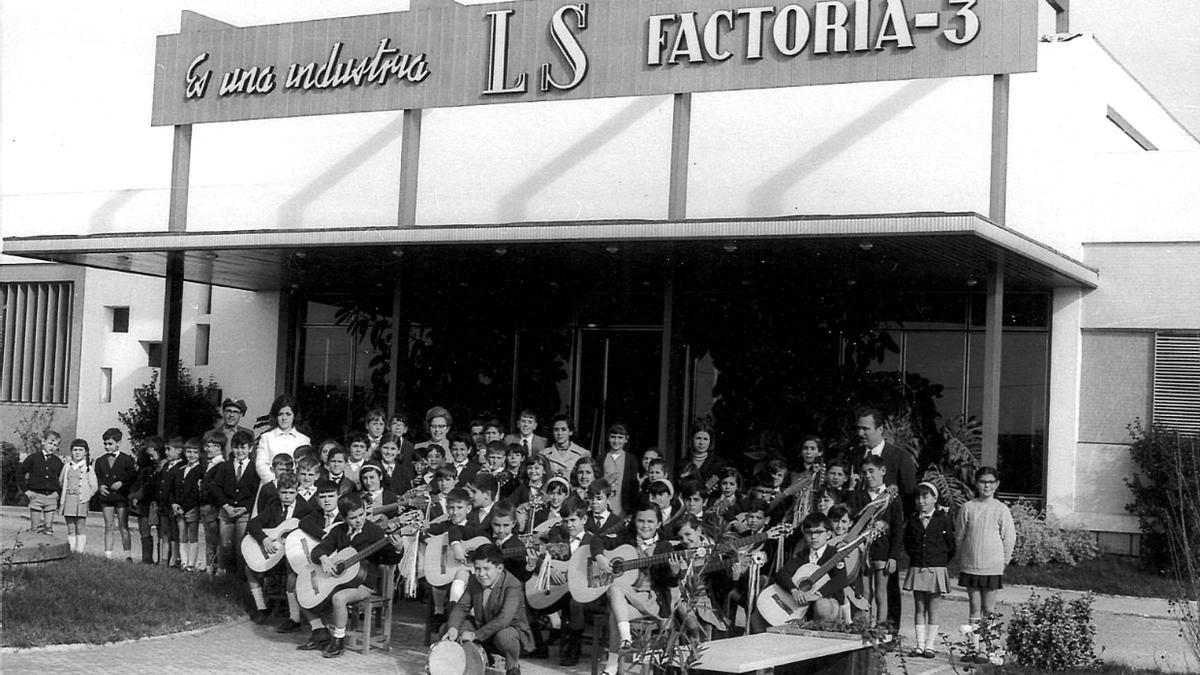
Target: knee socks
920	629
293	607
260	601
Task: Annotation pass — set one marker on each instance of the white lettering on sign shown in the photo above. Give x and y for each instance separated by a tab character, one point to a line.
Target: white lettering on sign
568	44
498	56
248	81
678	38
197	85
386	64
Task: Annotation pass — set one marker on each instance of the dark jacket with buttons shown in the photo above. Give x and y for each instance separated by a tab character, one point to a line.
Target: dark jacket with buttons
932	545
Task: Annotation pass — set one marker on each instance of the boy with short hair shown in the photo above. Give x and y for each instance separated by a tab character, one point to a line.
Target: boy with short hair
38	476
600	518
465	468
234	491
376	424
482	489
274	514
824	604
267	492
164	491
210	508
886	549
358	444
337	472
308	471
572	530
357	532
316	525
456	528
527	424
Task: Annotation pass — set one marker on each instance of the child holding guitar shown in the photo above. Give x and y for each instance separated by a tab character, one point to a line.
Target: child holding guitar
267	530
825	602
299	544
551	596
650	593
886	549
355	533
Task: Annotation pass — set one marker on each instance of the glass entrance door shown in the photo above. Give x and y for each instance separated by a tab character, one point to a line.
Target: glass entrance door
617	379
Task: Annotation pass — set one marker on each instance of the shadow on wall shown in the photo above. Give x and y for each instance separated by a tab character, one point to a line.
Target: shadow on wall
768	197
514	206
292	210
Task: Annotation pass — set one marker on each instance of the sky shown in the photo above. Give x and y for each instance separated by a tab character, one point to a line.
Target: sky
69	67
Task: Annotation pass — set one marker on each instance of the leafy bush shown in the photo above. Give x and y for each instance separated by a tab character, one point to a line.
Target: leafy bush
1053	634
198	403
1043	540
32	429
1164	488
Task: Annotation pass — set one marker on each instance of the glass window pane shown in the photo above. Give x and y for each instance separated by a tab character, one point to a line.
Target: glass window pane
1023	388
938	357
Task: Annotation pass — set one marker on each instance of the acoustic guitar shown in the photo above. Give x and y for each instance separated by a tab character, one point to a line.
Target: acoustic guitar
256	556
777	606
314	585
441	567
587	583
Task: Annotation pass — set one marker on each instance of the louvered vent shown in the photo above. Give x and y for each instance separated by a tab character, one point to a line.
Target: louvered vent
1177	381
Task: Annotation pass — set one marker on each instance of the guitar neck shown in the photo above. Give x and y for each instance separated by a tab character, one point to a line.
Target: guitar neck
840	553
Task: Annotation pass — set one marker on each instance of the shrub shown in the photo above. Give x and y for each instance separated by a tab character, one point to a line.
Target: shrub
1043	540
1164	489
198	404
1053	634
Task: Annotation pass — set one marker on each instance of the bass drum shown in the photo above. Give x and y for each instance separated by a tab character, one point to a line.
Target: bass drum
457	658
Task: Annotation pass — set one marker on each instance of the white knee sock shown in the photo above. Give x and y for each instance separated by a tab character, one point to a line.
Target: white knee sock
624	632
71	543
293	607
80	542
457	588
920	627
338	632
260	602
108	554
316	624
931	636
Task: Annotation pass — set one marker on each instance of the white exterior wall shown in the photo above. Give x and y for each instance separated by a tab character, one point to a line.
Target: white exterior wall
241	348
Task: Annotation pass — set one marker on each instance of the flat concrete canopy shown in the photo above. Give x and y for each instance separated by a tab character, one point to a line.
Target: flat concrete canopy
941	247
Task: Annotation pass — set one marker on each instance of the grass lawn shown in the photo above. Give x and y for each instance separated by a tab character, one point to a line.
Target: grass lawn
88	599
1113	575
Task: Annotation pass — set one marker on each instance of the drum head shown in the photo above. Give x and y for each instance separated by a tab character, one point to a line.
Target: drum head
476	658
447	658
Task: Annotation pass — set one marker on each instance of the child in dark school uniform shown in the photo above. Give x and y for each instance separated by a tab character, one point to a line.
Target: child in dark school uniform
929	542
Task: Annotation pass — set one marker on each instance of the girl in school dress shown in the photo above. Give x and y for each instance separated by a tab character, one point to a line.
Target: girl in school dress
929	542
79	484
985	538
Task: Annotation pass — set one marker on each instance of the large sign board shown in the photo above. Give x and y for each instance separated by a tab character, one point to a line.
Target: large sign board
538	50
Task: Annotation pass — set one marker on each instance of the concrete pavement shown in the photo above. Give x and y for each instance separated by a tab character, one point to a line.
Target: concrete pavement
1138	632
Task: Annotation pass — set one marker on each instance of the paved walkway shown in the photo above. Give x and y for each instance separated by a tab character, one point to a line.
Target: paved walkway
1134	631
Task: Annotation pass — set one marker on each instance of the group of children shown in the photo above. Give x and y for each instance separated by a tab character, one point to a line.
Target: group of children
539	501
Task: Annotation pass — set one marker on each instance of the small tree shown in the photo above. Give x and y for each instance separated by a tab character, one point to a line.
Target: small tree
197	403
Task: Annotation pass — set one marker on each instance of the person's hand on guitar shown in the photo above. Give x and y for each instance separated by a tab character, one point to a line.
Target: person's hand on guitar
805	598
678	563
397	539
451	635
270	545
603	565
328	565
531	560
466	636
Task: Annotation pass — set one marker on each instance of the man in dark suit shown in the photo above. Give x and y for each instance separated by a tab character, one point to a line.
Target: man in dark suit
492	612
901	471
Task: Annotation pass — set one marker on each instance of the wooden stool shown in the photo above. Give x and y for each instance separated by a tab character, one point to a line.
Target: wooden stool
362	632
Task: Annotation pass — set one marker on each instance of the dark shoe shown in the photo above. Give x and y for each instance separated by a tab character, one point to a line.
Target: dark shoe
552	636
539	653
515	670
570	656
335	648
917	653
319	638
260	616
288	626
929	654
